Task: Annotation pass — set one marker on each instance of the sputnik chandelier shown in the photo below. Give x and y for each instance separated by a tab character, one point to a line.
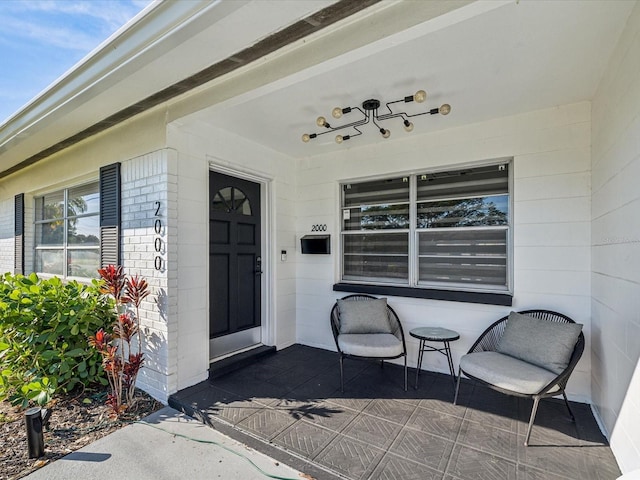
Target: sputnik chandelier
370	113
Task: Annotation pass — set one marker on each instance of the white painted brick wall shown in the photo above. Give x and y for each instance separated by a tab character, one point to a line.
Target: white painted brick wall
615	227
146	180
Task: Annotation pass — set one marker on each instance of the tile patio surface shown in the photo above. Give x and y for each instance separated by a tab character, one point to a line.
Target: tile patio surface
289	405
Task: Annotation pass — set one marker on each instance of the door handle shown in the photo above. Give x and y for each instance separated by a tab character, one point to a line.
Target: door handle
258	270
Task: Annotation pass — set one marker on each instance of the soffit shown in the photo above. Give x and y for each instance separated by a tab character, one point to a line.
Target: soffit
486	59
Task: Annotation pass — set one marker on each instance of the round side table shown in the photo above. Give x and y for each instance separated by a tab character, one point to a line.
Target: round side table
435	334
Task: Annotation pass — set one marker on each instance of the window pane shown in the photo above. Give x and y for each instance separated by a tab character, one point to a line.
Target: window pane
231	200
241	202
50	206
481	181
50	233
468	257
83	263
467	212
393	190
50	261
379	217
222	201
84	231
376	257
84	199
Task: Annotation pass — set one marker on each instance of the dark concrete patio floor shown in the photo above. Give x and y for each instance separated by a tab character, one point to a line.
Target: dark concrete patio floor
289	406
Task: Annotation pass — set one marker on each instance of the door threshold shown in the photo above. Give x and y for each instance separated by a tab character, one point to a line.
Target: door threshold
238	359
235	352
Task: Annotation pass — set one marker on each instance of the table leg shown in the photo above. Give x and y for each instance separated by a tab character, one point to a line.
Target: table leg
447	349
419	365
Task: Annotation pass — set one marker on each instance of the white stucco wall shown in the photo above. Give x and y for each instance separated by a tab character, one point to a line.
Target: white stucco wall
616	247
199	148
551	151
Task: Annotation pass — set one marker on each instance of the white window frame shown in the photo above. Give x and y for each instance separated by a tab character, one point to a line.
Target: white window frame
65	247
413	281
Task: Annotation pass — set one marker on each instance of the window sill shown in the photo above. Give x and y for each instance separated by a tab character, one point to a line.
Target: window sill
432	294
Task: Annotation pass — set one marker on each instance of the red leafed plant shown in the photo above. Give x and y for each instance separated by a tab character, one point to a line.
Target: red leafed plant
120	362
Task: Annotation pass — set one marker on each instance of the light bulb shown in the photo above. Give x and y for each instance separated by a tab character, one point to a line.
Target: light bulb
420	96
321	121
336	112
408	126
385	132
445	109
306	138
339	139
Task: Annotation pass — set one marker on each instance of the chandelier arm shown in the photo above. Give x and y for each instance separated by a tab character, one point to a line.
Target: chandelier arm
433	111
324	132
362	121
389	108
357	123
387	116
356	134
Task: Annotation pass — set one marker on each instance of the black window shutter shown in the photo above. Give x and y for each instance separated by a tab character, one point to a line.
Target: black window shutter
19	234
110	215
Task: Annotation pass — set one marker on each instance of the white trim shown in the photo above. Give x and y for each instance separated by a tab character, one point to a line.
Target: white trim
66	184
421	171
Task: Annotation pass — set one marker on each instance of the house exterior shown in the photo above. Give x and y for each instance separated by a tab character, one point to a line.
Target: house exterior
174	149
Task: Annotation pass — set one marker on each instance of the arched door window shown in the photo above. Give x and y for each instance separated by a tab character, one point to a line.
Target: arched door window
231	200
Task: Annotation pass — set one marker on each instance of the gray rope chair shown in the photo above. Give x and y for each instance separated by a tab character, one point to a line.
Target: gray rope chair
552	385
372	346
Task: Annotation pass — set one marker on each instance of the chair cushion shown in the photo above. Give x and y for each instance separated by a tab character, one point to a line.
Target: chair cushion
506	372
383	345
364	316
540	342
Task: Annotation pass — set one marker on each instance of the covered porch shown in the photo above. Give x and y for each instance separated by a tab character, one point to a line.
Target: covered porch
289	406
548	92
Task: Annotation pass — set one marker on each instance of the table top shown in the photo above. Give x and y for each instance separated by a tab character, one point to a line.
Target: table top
436	334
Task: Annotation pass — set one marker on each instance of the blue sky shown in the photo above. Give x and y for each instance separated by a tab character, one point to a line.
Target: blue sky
41	39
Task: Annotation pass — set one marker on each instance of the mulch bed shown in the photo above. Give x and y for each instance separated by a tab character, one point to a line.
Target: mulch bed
76	420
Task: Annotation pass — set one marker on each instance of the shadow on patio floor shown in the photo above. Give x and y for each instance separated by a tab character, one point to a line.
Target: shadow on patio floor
289	406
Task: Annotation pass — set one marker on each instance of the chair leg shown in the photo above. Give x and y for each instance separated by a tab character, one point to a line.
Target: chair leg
566	402
536	400
405	373
341	375
455	397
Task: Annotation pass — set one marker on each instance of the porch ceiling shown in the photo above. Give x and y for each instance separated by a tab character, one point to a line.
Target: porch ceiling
486	59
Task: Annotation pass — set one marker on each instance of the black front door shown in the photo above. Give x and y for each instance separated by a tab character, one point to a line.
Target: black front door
235	264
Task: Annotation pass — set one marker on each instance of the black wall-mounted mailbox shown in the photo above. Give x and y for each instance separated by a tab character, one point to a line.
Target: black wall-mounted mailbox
316	244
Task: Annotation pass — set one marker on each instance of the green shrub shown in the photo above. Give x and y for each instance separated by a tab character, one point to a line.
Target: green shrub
44	327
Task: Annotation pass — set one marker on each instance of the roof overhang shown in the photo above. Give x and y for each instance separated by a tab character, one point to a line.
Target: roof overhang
166	50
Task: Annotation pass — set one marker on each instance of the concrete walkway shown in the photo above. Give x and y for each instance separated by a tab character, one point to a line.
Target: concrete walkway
156	451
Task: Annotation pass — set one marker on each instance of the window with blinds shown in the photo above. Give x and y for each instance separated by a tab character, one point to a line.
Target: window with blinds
67	232
446	230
